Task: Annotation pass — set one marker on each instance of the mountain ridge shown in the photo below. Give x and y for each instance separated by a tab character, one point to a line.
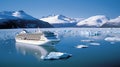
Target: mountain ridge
93	21
97	21
112	23
60	20
20	19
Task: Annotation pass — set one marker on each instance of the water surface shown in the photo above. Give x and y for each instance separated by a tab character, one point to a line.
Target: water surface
107	54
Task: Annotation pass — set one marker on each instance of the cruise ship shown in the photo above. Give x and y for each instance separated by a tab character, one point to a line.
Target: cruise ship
37	38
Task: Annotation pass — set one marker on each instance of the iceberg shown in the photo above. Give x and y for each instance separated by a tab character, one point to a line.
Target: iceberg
81	46
95	44
112	39
56	56
87	40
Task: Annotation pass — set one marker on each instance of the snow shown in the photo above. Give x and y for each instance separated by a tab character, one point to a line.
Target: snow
113	22
56	56
97	21
81	46
56	19
112	39
22	15
7	15
116	20
15	15
93	21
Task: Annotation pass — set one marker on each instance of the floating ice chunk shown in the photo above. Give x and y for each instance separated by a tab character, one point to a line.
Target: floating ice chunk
56	56
87	40
112	39
81	46
97	44
112	42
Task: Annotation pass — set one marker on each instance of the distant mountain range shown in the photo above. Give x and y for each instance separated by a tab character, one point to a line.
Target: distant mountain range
61	20
112	23
97	21
20	19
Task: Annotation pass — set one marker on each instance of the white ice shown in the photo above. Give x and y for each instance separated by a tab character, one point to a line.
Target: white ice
81	46
56	56
97	44
87	40
112	39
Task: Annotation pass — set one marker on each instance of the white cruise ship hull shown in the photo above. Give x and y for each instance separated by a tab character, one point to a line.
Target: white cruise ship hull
38	42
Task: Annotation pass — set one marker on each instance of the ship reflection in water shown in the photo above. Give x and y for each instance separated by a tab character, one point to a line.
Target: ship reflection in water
43	52
37	51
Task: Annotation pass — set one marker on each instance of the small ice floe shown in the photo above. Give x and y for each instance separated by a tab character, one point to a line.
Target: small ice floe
87	40
95	44
112	39
81	46
56	56
112	42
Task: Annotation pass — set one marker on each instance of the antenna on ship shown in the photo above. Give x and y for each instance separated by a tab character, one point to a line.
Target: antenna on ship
38	30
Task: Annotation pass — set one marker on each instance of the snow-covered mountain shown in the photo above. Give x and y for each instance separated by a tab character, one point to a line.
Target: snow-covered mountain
20	19
113	23
116	20
94	21
61	21
15	15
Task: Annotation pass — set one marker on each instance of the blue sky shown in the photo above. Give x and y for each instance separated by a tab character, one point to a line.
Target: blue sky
71	8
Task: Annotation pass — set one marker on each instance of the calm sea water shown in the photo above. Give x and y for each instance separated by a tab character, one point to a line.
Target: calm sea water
100	53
